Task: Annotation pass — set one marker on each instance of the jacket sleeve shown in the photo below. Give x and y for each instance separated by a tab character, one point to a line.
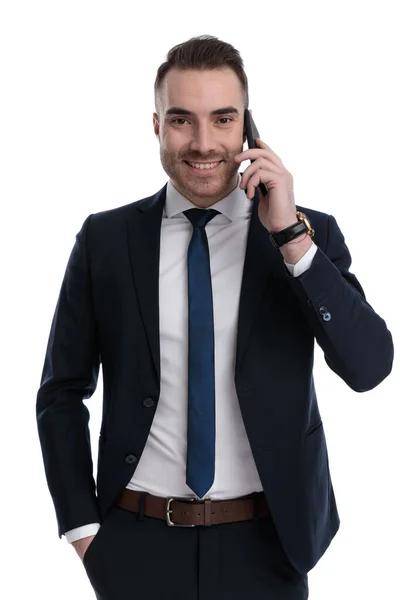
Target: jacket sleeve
69	376
356	342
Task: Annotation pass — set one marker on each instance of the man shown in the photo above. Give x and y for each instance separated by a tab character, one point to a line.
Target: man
213	477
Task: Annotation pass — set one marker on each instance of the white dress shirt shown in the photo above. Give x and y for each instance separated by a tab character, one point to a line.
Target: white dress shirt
162	467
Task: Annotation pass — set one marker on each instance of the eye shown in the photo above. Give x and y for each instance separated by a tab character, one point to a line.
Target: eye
226	119
175	120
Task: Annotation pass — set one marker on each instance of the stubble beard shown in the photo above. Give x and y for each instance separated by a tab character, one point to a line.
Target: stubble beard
198	188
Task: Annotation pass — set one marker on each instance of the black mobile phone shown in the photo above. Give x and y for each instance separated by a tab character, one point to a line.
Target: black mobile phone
251	133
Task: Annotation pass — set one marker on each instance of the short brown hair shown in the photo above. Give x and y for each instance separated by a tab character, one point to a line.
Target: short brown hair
204	52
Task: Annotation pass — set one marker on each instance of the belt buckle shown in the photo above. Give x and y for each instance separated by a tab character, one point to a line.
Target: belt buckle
168	511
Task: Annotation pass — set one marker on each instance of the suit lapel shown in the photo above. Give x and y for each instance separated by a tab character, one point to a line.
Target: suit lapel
144	228
262	261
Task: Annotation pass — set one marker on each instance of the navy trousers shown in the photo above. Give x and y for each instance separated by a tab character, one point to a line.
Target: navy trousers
133	557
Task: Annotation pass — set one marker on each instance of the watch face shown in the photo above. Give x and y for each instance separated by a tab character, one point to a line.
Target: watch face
302	217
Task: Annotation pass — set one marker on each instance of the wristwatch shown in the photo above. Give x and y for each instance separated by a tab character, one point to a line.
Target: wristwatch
303	225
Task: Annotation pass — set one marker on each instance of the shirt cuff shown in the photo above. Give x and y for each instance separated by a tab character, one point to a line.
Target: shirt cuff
80	532
304	263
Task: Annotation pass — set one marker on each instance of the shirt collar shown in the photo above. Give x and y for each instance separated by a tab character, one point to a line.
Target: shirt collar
234	206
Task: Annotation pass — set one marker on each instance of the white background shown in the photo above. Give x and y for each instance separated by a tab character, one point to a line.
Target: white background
76	137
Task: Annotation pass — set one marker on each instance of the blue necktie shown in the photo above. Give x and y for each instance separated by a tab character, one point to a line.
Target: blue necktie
200	465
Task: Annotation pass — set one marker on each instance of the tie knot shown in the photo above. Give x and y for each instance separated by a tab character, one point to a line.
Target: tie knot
199	217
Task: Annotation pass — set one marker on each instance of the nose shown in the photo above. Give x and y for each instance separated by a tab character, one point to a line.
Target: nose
203	141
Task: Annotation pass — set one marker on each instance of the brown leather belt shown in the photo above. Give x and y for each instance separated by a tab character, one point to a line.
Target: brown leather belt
187	512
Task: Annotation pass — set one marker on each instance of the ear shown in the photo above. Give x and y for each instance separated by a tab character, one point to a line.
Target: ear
156	124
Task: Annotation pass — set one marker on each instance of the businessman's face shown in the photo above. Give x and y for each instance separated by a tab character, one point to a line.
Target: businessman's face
201	121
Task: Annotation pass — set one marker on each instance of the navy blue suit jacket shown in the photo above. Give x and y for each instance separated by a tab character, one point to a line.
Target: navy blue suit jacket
108	313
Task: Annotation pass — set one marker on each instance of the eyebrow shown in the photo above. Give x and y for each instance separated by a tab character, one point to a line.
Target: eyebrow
228	110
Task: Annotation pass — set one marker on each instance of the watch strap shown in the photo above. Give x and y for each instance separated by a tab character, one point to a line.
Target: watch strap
303	225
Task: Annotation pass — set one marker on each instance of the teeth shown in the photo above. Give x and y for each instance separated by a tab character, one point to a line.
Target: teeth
203	166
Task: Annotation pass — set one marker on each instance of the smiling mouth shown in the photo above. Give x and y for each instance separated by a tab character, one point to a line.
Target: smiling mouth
203	167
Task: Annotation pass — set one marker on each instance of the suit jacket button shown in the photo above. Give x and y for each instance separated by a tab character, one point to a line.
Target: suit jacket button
148	402
327	316
130	459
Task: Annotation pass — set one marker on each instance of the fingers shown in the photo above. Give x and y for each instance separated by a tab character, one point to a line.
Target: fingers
253	182
258	167
256	180
254	153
